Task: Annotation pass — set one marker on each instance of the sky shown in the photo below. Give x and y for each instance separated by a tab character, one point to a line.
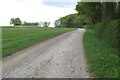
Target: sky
35	10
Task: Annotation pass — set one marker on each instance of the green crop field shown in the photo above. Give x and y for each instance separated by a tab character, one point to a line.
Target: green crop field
16	39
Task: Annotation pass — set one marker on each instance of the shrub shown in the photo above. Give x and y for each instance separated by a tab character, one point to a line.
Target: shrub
108	31
89	26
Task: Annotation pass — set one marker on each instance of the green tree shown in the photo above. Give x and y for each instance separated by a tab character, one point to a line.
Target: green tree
118	9
57	23
15	21
91	13
46	24
108	11
68	21
90	9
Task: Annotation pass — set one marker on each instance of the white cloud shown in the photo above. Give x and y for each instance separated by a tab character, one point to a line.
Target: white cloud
31	11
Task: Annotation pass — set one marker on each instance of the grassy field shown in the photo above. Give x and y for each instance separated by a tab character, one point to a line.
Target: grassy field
19	26
17	39
102	58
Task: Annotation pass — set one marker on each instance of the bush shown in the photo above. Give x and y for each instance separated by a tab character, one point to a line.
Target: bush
89	26
108	31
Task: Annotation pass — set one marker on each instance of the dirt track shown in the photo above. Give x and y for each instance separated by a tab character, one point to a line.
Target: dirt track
58	57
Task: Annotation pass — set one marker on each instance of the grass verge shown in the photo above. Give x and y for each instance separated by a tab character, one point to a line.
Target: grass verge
16	39
102	58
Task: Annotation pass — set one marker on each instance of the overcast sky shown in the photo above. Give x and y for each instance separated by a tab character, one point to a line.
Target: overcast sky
35	10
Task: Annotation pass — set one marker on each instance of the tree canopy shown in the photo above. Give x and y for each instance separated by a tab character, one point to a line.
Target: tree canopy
15	21
91	13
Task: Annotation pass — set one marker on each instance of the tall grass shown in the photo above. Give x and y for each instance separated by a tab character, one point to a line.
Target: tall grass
101	42
102	58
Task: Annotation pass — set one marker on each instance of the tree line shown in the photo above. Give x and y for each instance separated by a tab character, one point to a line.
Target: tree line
18	22
90	13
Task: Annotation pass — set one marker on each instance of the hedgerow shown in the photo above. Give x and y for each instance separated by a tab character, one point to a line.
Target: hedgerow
108	31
